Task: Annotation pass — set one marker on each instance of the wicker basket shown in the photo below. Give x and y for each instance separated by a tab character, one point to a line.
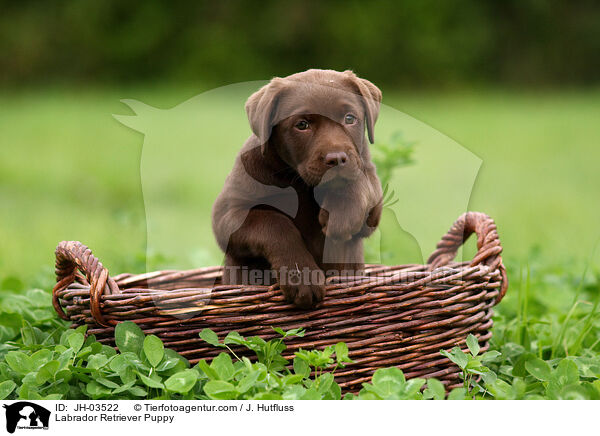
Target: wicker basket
394	315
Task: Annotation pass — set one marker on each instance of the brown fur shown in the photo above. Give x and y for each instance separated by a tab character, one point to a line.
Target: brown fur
289	204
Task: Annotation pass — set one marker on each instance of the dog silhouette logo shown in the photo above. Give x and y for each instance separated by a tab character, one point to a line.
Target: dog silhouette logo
188	150
26	415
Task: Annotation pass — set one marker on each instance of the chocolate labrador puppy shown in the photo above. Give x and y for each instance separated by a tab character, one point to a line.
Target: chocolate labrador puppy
303	191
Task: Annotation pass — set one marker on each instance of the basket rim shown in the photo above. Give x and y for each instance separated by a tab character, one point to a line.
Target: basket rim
75	263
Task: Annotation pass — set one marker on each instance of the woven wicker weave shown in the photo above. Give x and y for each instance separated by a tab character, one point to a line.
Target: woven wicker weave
394	315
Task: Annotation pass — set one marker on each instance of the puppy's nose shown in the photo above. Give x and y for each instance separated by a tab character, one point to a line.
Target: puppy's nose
337	158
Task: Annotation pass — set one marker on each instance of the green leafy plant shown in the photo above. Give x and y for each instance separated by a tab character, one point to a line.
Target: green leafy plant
390	384
268	377
388	156
471	365
77	366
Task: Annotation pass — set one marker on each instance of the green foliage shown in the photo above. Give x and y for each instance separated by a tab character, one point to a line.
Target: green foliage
472	365
396	153
75	366
518	374
268	377
390	384
412	43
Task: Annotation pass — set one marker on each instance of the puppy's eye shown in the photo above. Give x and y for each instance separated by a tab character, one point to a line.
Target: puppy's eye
301	125
349	119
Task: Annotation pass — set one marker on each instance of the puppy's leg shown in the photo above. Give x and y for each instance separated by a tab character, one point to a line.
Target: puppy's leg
372	221
246	271
341	216
344	212
343	258
271	235
352	210
375	202
232	271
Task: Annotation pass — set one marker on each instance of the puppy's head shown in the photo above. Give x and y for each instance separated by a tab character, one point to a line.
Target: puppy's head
315	121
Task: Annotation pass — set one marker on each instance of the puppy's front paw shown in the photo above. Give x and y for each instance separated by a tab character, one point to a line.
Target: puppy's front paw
303	296
331	229
304	289
340	226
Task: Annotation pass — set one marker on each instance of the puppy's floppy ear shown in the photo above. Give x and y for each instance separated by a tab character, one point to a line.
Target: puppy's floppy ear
371	100
261	108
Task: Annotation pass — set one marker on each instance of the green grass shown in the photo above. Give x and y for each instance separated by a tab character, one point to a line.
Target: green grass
69	170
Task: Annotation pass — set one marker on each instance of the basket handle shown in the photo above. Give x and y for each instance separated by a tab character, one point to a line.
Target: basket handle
73	256
488	244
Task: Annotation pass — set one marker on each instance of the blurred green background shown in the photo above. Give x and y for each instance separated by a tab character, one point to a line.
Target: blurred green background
514	82
409	43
